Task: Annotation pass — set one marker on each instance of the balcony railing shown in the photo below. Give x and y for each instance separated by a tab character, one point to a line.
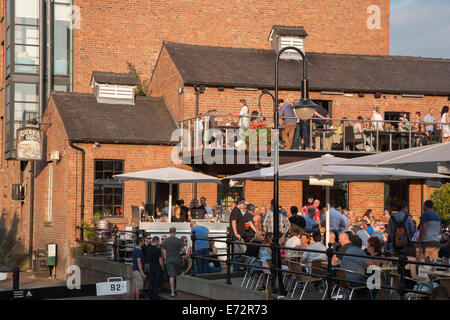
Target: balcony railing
330	134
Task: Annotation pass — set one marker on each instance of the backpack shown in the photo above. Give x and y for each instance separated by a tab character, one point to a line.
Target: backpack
400	236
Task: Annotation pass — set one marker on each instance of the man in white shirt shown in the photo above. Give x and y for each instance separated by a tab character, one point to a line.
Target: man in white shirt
429	119
209	213
293	242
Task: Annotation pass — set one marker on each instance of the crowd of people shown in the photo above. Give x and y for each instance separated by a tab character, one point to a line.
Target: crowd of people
157	261
365	235
181	213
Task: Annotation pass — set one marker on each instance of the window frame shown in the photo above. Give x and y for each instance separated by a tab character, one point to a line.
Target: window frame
111	183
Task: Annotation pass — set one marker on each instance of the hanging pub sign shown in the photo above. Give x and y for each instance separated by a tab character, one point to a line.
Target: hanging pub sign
29	144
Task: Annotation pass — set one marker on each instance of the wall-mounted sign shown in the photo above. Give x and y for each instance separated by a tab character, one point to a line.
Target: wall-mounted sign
29	144
321	181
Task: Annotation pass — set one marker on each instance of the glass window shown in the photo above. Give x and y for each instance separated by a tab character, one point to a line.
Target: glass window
27	11
60	88
61	39
26	35
108	192
27	92
26	58
25	111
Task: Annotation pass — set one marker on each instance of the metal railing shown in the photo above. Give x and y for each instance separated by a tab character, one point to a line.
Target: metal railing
339	134
330	277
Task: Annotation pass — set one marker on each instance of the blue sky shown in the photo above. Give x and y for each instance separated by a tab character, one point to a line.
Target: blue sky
420	28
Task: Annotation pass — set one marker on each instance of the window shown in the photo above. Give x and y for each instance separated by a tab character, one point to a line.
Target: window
50	192
108	192
26	38
61	32
21	106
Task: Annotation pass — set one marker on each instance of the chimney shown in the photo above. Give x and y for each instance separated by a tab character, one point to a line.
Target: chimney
114	88
288	36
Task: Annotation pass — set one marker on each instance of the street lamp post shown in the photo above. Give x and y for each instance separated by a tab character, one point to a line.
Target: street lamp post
305	109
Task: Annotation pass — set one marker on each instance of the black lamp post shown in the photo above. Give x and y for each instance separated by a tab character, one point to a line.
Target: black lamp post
305	109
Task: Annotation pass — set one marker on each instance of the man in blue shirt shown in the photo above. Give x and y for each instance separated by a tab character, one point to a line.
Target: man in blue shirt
357	266
201	247
429	119
430	229
138	270
311	224
288	116
337	223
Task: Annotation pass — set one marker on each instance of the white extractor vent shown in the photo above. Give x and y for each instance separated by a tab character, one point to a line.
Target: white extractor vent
115	94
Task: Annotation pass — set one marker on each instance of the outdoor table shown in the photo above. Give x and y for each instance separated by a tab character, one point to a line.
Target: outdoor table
386	269
324	131
437	273
383	132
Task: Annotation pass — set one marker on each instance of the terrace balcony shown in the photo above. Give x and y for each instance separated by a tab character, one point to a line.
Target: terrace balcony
236	135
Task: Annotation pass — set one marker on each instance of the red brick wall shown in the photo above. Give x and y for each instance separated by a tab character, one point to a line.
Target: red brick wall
114	33
415	198
260	193
366	195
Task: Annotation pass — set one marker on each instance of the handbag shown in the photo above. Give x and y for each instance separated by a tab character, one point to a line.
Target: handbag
239	248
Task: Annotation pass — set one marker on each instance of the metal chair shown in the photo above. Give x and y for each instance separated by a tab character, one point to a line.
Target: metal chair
350	137
343	283
318	269
300	278
396	278
445	282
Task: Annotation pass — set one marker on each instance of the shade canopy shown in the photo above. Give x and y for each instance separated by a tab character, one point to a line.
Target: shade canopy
170	175
423	159
167	175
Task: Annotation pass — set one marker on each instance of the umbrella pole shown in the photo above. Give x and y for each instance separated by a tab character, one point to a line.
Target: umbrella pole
170	203
327	226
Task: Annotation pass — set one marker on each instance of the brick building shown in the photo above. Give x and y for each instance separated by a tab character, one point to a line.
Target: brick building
50	73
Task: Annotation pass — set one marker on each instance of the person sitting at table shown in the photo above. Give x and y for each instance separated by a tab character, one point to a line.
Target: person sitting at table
293	242
411	269
358	131
374	249
357	267
309	257
176	217
254	117
342	247
305	240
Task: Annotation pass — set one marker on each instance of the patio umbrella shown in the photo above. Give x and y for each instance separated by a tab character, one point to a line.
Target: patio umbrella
423	159
170	175
303	170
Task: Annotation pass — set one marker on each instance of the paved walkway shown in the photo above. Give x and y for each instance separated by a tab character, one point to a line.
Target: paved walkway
29	281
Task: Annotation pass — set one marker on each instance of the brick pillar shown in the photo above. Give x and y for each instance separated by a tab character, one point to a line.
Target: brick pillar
261	193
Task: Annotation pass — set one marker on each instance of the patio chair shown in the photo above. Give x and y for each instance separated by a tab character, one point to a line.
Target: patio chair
445	282
396	278
250	275
342	275
300	278
263	274
318	269
350	137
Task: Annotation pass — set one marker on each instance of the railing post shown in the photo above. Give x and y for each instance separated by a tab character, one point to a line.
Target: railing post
228	262
410	136
193	237
310	133
16	279
378	136
329	254
343	137
402	274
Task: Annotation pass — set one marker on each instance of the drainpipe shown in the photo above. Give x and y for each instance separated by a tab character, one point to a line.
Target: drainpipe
30	247
71	51
83	160
42	57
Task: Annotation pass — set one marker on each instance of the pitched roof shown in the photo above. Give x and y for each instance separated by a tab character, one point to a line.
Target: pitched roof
289	31
254	68
126	79
149	121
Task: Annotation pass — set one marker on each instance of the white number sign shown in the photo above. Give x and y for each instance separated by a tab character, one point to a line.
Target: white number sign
112	287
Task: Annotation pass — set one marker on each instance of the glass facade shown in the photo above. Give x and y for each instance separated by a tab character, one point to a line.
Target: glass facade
22	61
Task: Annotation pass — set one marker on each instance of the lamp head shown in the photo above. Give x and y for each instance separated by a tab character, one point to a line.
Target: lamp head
305	108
